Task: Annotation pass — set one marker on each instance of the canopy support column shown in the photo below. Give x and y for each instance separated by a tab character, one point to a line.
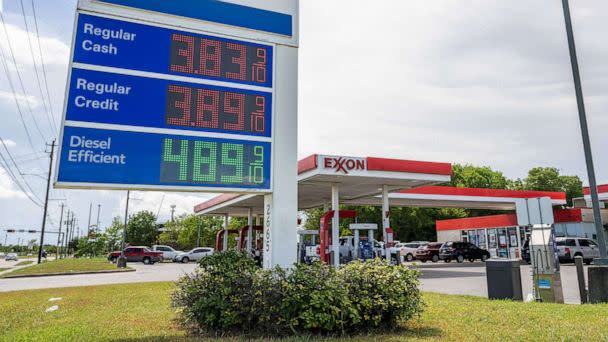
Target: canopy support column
335	225
249	230
225	246
386	221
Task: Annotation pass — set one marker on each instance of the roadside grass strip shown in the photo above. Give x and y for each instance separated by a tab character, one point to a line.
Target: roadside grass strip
24	263
4	269
66	266
143	312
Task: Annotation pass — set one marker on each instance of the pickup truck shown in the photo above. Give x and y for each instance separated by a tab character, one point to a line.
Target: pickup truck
138	254
168	252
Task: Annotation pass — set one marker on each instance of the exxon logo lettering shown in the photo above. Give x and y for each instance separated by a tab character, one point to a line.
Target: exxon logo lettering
345	165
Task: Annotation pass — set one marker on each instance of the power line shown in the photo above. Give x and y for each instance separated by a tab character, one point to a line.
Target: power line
27	99
46	83
14	177
29	40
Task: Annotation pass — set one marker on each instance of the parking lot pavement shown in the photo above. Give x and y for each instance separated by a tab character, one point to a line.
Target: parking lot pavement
470	279
143	273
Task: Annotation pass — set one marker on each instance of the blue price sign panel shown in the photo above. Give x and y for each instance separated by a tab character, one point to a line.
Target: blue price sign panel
159	160
127	45
149	107
139	101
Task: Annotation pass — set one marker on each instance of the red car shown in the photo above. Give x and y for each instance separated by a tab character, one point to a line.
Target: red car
138	254
429	252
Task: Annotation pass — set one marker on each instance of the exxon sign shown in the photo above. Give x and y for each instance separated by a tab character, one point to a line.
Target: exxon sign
344	164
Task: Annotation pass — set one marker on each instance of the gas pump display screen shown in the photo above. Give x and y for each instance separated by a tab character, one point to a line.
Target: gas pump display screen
215	162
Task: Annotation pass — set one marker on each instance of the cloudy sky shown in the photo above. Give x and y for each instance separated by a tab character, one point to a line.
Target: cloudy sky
486	82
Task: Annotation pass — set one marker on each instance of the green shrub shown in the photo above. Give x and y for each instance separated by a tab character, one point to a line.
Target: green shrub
228	294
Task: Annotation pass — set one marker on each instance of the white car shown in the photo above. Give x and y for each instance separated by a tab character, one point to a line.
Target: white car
408	249
2	255
11	257
168	252
194	255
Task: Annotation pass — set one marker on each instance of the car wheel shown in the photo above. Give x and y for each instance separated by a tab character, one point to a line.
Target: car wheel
409	257
147	261
185	260
484	258
423	260
588	261
113	260
460	259
447	260
435	258
471	260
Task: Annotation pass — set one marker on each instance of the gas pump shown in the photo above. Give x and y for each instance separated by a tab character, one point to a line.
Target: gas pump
364	248
308	252
219	239
325	232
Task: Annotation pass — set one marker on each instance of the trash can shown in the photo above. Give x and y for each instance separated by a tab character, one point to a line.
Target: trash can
504	279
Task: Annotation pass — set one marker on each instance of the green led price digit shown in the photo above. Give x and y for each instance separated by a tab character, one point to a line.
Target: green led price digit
181	158
256	169
236	161
199	160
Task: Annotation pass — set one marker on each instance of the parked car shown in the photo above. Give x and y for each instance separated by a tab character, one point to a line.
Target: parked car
138	254
11	257
408	249
194	255
570	247
2	255
429	252
461	251
168	252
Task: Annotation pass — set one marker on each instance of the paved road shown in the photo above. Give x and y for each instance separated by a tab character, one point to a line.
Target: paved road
143	273
453	278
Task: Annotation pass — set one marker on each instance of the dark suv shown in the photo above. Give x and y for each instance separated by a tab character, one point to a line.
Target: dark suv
461	251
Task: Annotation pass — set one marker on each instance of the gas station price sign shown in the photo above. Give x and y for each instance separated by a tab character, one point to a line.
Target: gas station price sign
133	46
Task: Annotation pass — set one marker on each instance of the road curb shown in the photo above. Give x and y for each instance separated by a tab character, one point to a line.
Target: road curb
65	274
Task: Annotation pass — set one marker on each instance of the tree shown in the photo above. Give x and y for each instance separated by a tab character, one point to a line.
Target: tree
469	176
550	179
114	234
183	232
142	229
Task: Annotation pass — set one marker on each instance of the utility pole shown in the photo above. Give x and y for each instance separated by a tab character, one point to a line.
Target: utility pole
122	261
98	211
89	224
46	201
59	235
599	228
172	212
66	235
198	237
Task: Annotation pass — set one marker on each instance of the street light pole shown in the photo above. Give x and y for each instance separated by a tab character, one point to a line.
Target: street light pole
122	260
599	228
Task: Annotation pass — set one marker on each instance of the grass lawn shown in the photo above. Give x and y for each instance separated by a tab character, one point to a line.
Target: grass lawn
143	312
23	263
65	266
3	269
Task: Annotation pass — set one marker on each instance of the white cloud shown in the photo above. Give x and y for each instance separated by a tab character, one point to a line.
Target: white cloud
9	143
8	190
151	201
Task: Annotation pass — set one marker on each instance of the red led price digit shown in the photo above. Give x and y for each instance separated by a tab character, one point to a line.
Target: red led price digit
210	58
258	118
238	110
241	61
202	107
184	105
187	53
258	73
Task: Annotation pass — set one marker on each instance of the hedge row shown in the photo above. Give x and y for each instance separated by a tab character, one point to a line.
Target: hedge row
229	294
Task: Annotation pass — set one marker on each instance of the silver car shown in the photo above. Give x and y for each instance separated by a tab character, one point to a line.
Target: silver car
11	257
570	247
194	255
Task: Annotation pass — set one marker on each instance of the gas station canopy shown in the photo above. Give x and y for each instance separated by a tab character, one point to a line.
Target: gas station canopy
360	180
